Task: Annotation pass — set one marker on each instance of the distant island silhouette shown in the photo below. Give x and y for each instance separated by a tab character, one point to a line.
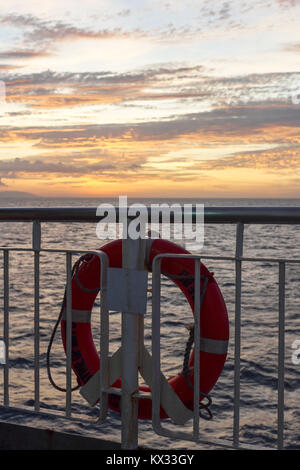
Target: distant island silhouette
17	195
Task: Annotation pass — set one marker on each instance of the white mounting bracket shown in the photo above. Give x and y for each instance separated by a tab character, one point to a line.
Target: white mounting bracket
127	290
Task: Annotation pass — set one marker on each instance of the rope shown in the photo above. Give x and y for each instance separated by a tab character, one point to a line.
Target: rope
186	357
84	289
48	356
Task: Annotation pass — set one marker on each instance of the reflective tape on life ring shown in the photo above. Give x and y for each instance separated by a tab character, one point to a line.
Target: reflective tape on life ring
213	346
78	316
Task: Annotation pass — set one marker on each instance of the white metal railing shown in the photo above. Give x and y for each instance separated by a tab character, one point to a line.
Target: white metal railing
132	324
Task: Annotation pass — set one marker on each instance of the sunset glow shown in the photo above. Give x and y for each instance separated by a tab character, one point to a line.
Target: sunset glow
190	99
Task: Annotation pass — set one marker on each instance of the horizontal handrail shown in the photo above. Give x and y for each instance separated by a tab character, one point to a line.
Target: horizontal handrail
207	257
214	215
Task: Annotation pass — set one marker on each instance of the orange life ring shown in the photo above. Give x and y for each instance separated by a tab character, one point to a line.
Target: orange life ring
214	322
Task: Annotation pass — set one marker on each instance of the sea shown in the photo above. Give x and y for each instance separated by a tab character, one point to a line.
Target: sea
259	326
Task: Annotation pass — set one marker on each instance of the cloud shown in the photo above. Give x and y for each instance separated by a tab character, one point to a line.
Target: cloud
264	123
19	165
7	67
281	159
18	113
224	11
154	74
289	3
145	151
23	54
113	167
46	32
93	163
49	89
170	82
293	47
124	13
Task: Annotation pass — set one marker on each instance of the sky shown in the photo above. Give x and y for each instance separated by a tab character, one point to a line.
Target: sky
150	98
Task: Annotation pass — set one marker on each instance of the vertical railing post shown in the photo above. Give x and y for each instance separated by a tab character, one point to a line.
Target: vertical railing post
237	331
197	333
156	376
6	326
133	257
281	351
69	334
104	336
36	246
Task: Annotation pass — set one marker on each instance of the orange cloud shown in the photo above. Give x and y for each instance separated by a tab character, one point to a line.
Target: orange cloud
151	152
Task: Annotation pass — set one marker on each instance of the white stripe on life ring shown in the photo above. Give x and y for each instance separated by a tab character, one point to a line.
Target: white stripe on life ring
79	316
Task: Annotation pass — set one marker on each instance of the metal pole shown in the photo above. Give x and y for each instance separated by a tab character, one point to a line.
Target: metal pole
36	246
6	325
281	348
212	215
237	332
69	334
133	256
156	377
197	307
104	336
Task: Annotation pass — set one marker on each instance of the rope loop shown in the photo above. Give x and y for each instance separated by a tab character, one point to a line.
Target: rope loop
186	357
